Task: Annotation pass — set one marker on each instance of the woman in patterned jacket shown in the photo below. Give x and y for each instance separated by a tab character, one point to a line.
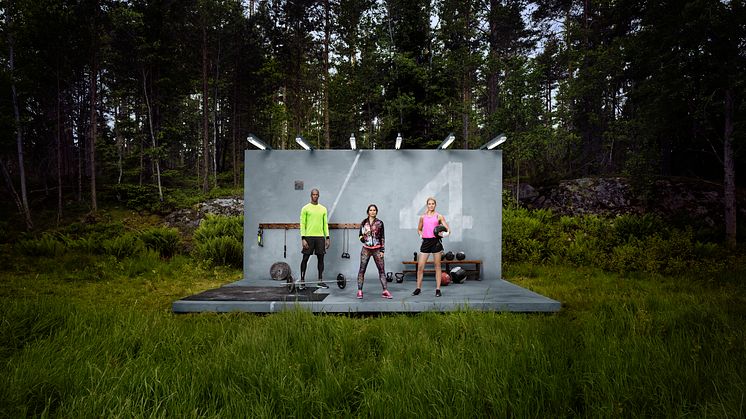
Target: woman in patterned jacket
373	238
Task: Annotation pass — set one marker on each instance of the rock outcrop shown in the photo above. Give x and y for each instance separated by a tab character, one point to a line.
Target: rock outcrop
671	198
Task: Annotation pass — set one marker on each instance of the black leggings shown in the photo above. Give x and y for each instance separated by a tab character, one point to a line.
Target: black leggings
304	264
365	256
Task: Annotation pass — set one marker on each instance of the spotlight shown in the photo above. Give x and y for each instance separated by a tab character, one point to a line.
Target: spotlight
501	138
258	143
303	143
398	141
447	142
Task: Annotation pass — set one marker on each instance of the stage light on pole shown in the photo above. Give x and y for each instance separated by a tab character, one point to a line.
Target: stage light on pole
501	138
258	143
353	142
398	141
447	142
302	142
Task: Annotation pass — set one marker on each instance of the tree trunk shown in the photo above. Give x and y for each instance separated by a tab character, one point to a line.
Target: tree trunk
205	115
93	105
155	157
234	135
327	40
729	183
24	208
493	75
58	141
215	124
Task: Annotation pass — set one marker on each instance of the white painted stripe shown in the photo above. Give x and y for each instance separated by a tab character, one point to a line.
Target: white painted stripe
344	184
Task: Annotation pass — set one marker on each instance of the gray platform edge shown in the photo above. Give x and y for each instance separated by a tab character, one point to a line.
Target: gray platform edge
487	295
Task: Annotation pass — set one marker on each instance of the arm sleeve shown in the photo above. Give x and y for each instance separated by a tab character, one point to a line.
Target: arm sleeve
360	233
383	238
303	222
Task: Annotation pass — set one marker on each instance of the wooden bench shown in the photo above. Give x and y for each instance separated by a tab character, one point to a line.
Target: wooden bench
445	265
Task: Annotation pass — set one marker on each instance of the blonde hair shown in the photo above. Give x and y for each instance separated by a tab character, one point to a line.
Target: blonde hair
430	198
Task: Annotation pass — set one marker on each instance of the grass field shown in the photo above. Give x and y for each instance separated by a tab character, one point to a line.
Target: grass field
622	346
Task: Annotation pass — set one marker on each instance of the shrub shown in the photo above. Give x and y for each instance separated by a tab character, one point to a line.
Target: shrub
123	246
623	244
524	237
637	226
219	226
165	241
45	246
146	262
223	250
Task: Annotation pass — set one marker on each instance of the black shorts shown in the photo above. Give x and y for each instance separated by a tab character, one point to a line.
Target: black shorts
431	245
316	245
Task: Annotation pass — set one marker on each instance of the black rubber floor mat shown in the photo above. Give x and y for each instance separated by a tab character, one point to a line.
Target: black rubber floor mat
257	294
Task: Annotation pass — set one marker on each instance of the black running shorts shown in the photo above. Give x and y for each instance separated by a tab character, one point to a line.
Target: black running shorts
316	245
431	246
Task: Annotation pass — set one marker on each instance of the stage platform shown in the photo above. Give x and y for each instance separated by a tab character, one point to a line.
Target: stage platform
267	296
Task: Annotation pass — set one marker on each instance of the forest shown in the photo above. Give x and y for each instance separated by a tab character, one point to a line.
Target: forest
108	99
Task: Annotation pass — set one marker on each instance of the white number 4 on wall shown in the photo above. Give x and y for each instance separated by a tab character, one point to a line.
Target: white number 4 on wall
450	175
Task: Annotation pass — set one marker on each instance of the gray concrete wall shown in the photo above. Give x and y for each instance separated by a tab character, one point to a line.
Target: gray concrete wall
466	183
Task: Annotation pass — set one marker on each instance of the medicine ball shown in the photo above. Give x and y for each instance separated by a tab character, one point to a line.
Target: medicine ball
440	231
458	275
449	255
445	279
460	255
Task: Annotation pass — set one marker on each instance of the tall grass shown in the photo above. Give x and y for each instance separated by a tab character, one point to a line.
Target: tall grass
635	347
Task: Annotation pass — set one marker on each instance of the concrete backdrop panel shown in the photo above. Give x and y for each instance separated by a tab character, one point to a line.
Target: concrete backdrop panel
467	185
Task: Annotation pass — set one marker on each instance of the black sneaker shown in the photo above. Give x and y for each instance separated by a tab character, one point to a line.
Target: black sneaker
416	291
302	286
437	293
321	284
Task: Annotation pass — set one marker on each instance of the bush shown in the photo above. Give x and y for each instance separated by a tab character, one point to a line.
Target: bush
223	250
623	244
637	226
45	246
146	262
524	237
123	246
219	226
165	241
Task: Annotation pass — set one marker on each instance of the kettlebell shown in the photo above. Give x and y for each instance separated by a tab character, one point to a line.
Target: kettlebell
449	255
460	255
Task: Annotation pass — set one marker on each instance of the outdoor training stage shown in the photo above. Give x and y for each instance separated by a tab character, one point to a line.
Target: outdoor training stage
267	296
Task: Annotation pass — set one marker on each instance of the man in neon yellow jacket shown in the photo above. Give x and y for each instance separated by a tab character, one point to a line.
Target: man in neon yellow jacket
314	236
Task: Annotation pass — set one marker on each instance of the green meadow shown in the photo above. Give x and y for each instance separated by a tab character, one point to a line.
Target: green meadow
91	334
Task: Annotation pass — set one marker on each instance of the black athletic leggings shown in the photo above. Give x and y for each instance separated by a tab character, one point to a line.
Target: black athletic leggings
304	264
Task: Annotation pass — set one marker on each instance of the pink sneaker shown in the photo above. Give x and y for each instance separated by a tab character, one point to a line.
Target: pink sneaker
360	294
386	294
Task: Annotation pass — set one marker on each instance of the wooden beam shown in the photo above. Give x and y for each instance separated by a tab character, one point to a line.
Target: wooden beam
290	226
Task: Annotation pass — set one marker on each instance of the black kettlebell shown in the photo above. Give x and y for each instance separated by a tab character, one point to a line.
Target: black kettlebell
460	255
449	255
415	257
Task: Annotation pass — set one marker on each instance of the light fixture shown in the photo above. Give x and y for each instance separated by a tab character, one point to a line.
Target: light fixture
261	145
501	138
353	142
398	141
447	142
302	142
